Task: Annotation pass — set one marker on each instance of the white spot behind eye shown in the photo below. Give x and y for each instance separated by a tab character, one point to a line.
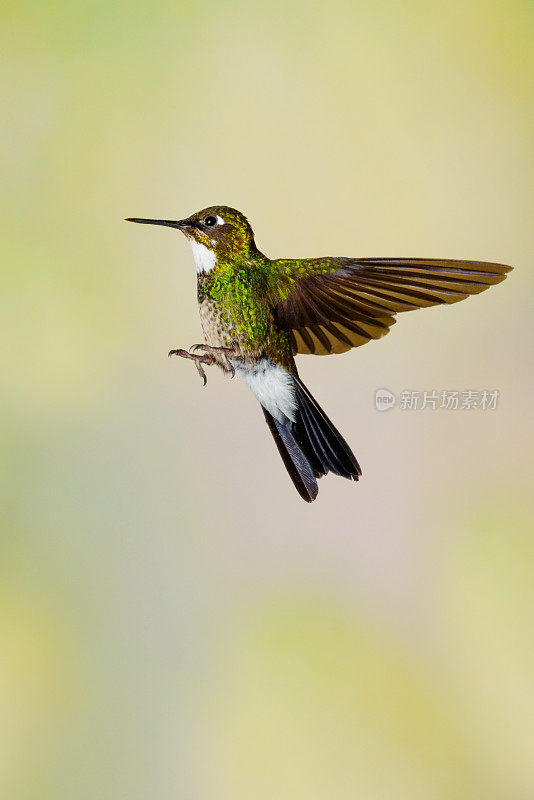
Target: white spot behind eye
220	220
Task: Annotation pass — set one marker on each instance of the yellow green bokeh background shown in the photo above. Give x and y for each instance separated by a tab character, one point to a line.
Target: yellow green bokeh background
174	621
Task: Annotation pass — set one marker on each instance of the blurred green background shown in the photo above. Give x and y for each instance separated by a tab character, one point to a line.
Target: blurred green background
174	621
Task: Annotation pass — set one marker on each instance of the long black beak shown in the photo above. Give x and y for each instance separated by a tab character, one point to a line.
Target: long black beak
168	223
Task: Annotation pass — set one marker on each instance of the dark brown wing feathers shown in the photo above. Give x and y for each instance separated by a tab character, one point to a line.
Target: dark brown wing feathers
333	310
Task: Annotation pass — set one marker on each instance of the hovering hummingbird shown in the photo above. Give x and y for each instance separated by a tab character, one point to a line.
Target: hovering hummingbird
257	314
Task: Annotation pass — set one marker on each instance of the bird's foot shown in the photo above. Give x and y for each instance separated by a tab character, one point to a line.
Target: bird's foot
199	360
224	351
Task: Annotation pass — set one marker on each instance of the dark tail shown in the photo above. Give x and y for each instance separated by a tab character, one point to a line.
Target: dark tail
311	446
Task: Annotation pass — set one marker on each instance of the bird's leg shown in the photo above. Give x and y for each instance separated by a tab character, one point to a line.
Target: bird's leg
199	360
225	351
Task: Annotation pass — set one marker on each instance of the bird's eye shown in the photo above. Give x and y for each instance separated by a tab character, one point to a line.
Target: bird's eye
210	221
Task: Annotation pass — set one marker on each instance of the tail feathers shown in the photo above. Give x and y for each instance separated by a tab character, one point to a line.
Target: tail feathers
311	446
296	463
325	443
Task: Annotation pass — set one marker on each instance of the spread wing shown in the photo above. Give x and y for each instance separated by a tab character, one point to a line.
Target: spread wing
329	305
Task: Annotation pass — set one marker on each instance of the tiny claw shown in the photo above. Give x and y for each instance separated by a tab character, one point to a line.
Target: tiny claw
229	364
201	372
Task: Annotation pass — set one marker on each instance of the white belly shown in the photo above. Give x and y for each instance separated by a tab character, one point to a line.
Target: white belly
272	385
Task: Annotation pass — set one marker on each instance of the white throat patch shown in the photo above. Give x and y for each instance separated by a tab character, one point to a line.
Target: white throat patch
205	259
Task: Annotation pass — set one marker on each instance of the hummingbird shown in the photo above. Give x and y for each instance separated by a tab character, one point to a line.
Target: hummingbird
258	313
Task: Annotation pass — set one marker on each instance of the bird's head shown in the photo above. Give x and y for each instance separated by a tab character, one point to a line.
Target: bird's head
217	234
